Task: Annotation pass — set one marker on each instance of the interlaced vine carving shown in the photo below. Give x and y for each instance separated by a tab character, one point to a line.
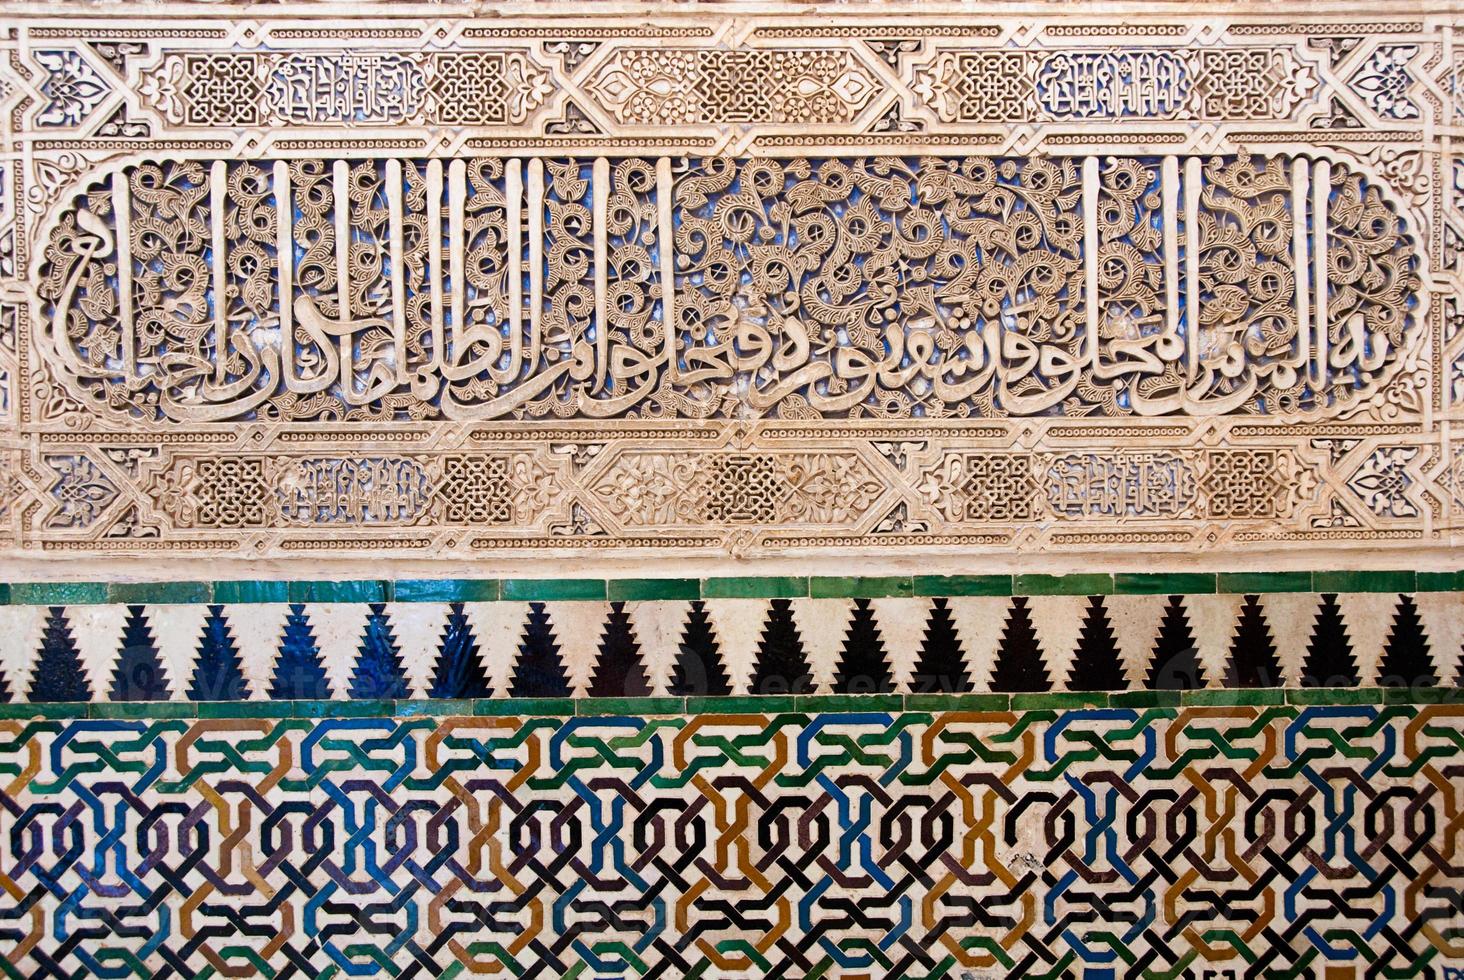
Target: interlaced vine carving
838	288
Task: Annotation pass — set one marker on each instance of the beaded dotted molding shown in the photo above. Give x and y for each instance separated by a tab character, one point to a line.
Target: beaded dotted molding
655	282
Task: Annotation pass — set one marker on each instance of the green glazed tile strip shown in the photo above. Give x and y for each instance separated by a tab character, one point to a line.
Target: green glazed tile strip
225	592
1227	698
1064	700
762	704
160	593
364	708
958	702
1423	695
1144	699
1254	583
246	709
754	587
1164	583
1087	584
358	591
963	585
1440	581
445	590
142	709
1364	581
1335	695
854	587
724	587
504	707
57	593
848	702
553	589
650	589
19	711
435	708
630	706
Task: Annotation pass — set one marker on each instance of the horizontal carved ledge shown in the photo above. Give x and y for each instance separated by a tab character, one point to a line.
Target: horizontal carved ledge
374	290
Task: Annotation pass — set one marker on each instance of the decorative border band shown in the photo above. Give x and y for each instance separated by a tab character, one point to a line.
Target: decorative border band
732	587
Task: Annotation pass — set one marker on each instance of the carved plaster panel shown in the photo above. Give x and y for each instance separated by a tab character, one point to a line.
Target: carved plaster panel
890	282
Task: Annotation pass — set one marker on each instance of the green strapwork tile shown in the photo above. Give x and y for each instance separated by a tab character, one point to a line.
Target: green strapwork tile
963	585
1364	581
553	589
1164	583
1086	584
755	587
652	589
860	587
1255	583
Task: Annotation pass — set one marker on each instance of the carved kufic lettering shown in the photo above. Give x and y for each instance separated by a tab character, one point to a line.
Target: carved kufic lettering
1124	484
887	288
344	88
352	491
1246	83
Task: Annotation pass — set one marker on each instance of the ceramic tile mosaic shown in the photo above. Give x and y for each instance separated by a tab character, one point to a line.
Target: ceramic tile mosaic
1199	842
726	647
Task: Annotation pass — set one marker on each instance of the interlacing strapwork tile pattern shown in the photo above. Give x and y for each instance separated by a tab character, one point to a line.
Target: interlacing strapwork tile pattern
678	283
1239	841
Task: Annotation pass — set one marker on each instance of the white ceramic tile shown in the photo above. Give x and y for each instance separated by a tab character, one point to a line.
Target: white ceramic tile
418	629
178	627
902	627
1135	620
578	627
823	625
738	624
257	628
978	622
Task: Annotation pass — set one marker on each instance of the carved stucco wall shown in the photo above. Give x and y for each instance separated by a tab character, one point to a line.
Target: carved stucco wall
893	490
689	287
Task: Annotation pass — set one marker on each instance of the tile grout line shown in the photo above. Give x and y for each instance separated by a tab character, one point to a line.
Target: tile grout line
733	587
748	704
